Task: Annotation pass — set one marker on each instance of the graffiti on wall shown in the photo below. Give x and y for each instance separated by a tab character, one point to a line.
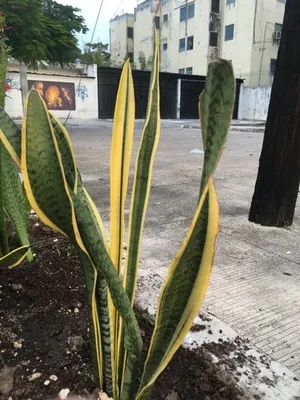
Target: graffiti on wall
12	84
57	95
82	91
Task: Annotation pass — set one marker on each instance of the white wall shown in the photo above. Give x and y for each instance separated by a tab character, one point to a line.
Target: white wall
120	44
269	12
238	50
254	103
86	91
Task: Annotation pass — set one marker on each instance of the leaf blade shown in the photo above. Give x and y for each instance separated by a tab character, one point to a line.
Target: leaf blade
14	258
10	134
15	202
139	203
189	273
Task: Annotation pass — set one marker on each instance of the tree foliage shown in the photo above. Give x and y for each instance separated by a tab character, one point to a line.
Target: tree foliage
145	64
96	53
42	30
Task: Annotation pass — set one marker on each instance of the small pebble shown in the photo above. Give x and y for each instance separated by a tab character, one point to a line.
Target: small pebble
47	382
16	286
76	310
63	394
53	378
34	376
18	345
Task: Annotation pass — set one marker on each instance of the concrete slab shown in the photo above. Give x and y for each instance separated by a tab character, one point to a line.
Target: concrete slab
255	285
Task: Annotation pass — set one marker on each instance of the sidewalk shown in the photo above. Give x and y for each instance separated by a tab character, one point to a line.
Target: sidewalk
255	285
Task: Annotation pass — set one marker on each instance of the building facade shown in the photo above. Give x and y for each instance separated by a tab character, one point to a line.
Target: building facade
121	38
195	32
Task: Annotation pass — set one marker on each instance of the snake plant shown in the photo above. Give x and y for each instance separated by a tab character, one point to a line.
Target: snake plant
58	195
13	201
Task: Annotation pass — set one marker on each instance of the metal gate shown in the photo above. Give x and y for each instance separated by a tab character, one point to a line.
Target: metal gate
191	87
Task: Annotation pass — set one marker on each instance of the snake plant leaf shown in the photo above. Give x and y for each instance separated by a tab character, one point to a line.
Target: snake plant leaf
14	258
189	273
42	169
216	107
98	252
4	249
10	134
15	201
121	149
51	197
184	289
67	152
3	68
102	298
139	203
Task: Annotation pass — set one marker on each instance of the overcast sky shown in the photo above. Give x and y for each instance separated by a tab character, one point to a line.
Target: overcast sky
90	9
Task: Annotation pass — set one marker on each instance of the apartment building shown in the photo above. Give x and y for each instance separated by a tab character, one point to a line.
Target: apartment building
195	32
121	38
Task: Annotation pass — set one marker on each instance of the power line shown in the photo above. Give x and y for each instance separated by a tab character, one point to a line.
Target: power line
96	22
117	9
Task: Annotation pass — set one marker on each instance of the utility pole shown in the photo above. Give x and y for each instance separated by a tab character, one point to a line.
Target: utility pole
277	183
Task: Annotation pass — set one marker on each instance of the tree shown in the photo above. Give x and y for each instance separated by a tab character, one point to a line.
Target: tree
96	53
277	184
42	30
145	65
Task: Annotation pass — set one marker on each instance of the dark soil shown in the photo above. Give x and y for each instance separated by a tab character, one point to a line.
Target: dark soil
44	329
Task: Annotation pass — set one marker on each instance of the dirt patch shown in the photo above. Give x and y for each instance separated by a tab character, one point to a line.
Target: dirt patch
44	333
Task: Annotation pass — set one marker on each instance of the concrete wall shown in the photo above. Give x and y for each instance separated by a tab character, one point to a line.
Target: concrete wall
254	103
120	44
86	90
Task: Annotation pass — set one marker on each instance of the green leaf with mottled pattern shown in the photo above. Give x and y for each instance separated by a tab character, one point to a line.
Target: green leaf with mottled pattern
216	107
10	133
189	273
98	252
15	202
66	151
42	168
3	234
139	203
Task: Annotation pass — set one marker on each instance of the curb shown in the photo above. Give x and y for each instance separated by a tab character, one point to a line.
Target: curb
258	129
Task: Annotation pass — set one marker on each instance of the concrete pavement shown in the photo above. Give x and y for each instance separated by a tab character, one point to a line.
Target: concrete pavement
255	284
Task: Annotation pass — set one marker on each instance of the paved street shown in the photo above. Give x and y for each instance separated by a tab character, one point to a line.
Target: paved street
255	285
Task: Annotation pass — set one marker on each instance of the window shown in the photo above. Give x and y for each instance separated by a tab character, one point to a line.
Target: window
165	46
189	71
181	45
278	27
187	12
166	18
130	56
272	66
130	32
183	13
190	43
213	39
191	10
229	2
229	32
215	6
181	71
